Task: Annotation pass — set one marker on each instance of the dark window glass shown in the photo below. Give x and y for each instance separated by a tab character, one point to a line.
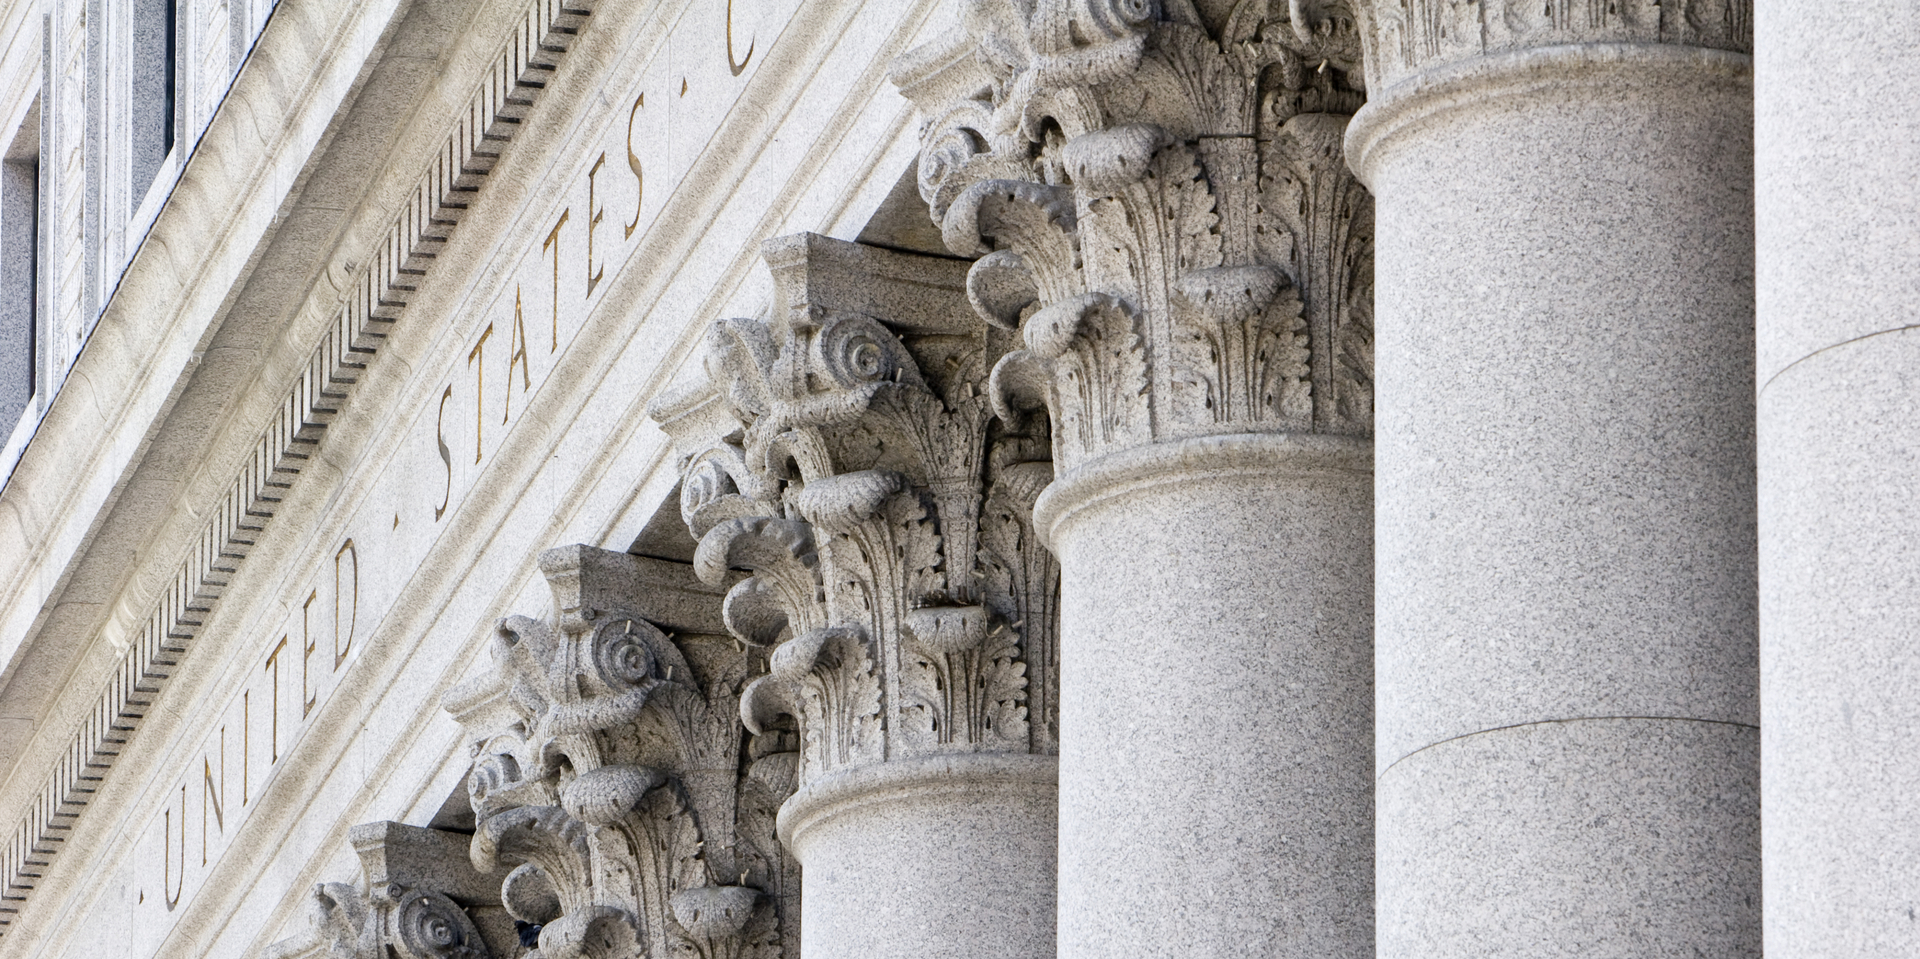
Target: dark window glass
152	90
19	246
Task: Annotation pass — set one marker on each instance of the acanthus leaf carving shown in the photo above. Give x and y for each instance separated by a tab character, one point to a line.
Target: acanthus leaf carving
410	902
611	775
894	625
1207	173
1243	350
1090	354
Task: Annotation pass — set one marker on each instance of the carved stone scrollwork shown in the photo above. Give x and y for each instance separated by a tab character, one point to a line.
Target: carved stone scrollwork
411	903
884	516
1407	36
1158	200
612	778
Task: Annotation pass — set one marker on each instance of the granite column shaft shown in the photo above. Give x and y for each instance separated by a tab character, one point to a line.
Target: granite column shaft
1567	751
1839	369
944	857
1215	707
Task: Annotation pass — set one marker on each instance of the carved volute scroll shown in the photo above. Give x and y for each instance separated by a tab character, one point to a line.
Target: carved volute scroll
418	898
1156	194
846	455
612	783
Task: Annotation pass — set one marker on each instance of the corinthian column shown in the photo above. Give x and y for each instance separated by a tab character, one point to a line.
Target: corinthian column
612	783
1159	206
1839	527
1567	750
856	473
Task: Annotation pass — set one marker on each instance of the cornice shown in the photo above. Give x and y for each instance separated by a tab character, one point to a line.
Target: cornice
374	300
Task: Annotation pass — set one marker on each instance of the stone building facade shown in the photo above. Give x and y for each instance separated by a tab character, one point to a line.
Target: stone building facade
1026	478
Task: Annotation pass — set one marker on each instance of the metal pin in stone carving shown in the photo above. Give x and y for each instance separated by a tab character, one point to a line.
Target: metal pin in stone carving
669	673
629	627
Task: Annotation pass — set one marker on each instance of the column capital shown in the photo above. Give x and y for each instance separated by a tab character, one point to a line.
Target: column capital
1159	206
884	517
411	902
1407	37
611	783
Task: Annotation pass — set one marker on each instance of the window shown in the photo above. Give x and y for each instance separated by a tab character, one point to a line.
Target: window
19	273
153	90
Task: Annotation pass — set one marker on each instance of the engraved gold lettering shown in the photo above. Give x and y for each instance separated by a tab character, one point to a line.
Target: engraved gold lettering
518	341
633	163
446	455
273	663
167	886
736	67
479	352
352	593
553	240
594	215
212	796
306	654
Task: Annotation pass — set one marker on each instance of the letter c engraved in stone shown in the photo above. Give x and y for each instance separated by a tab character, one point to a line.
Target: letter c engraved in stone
446	455
740	65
